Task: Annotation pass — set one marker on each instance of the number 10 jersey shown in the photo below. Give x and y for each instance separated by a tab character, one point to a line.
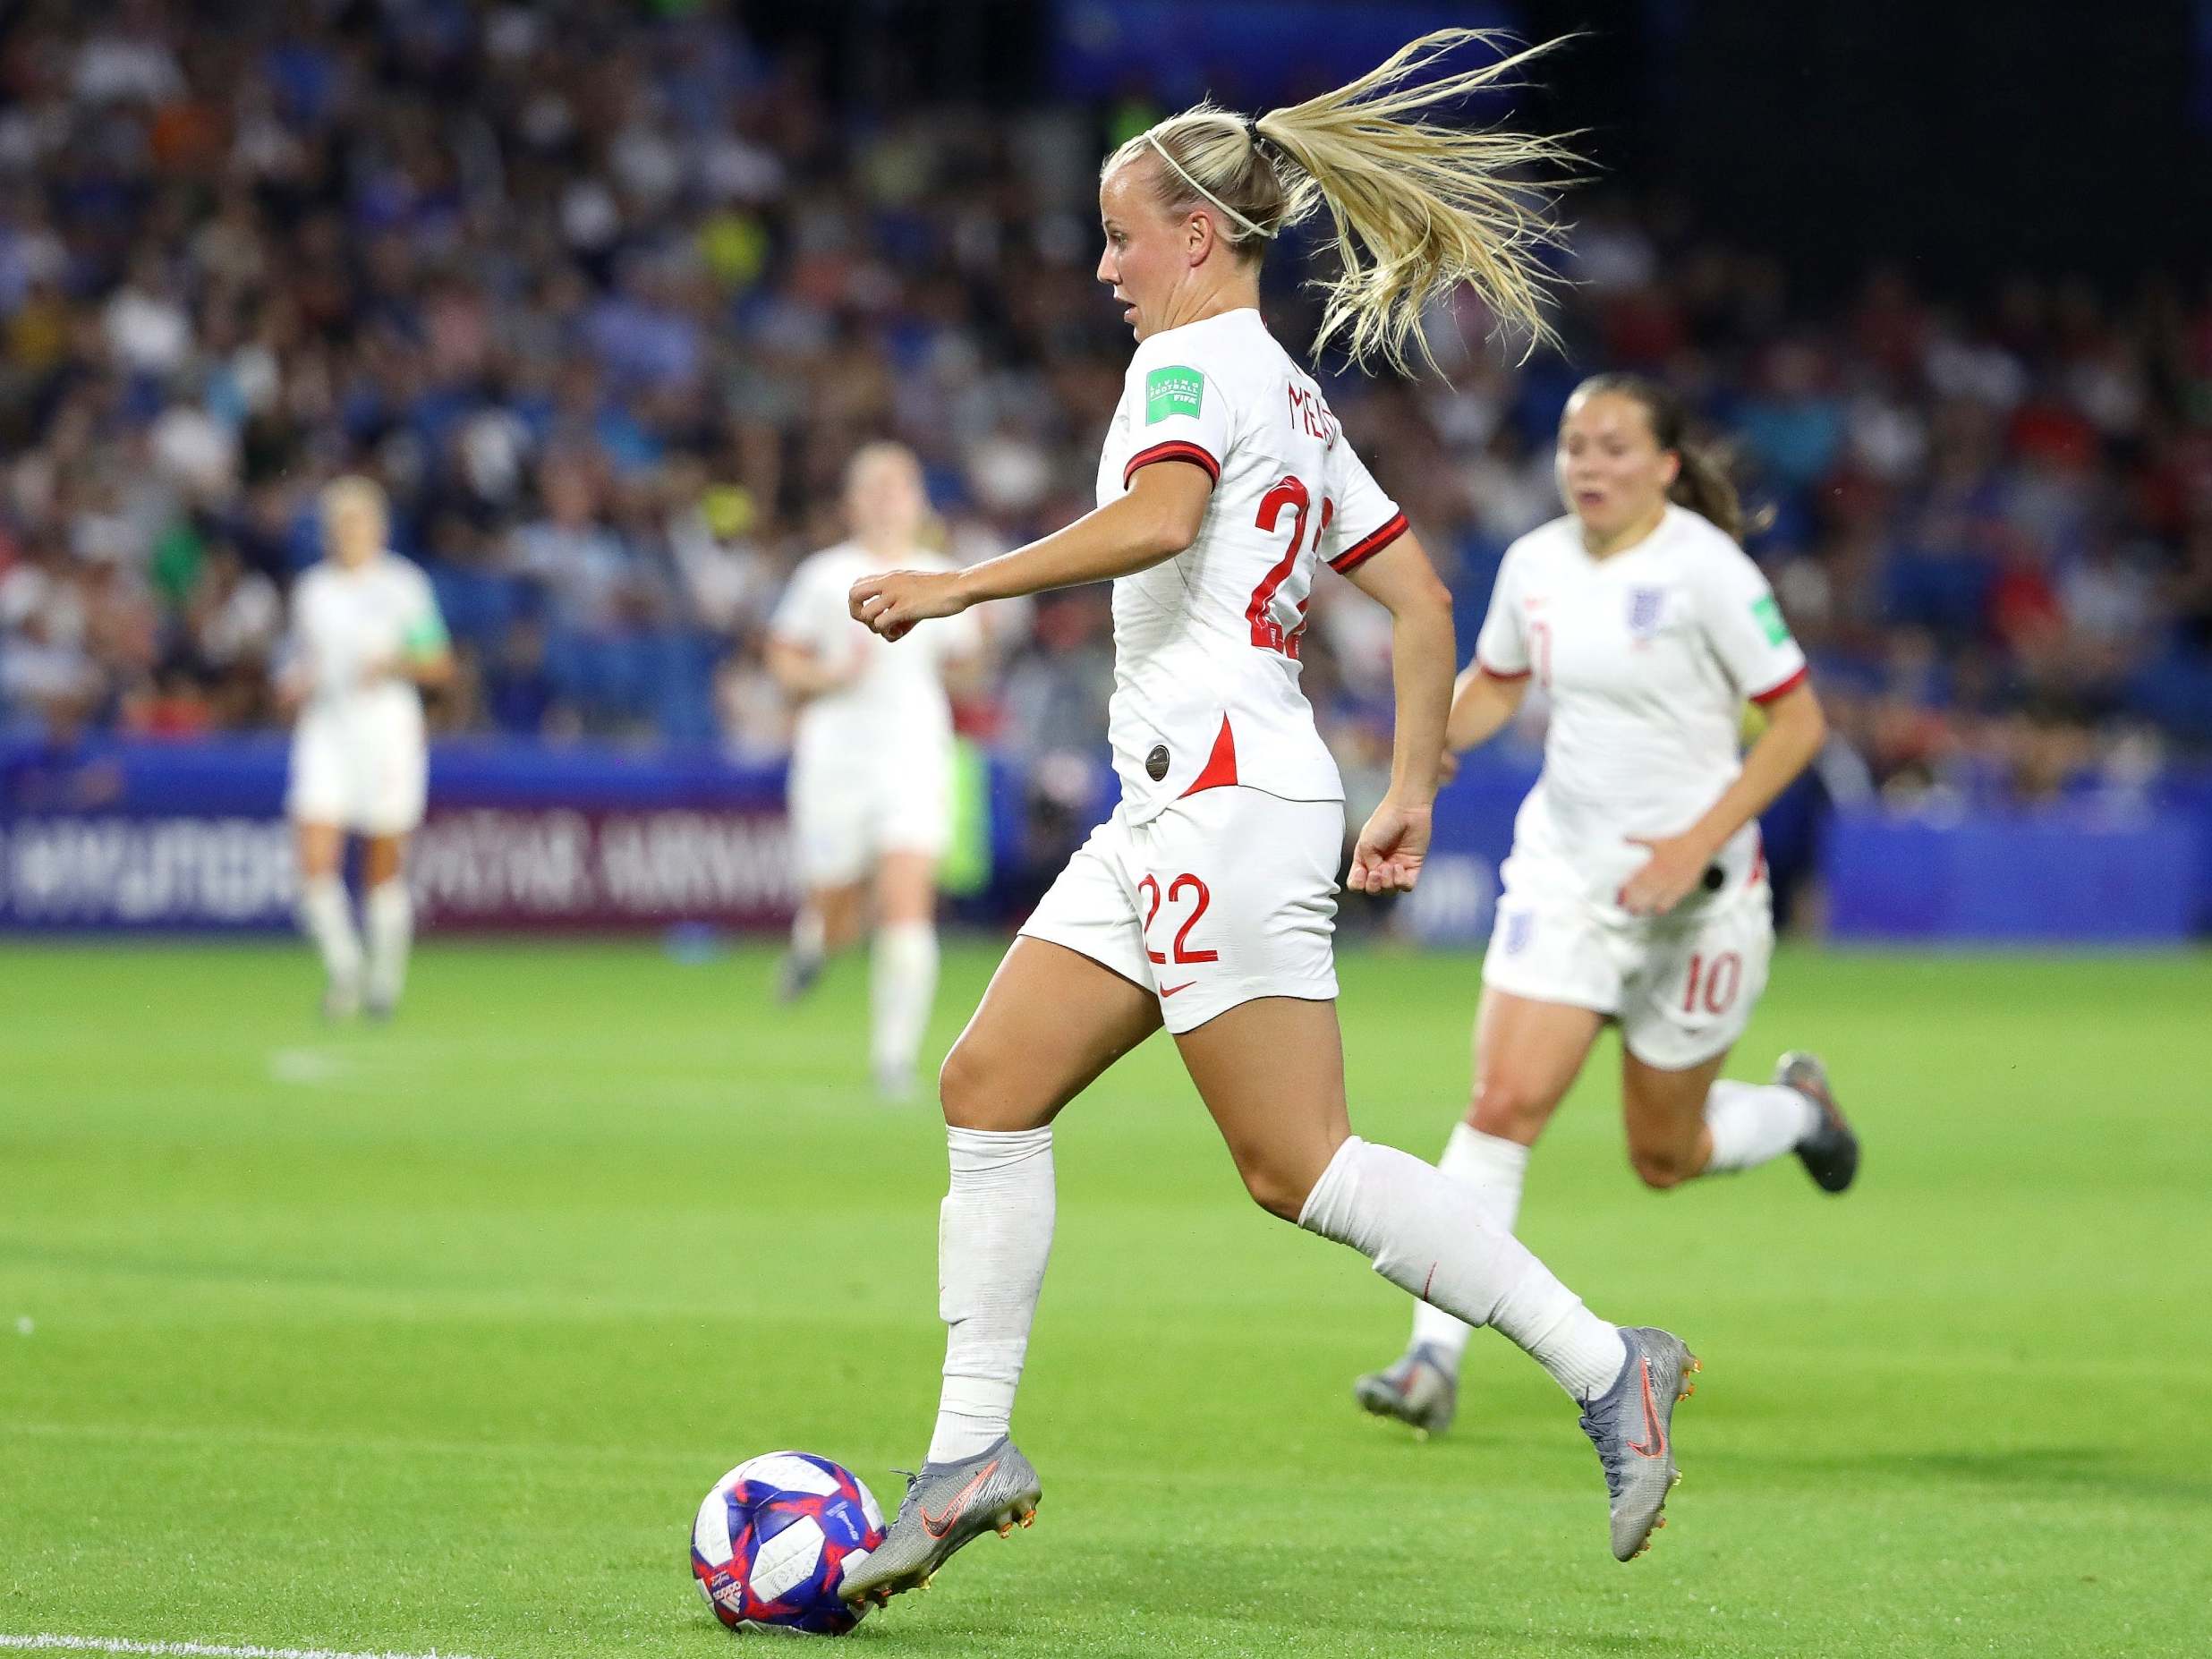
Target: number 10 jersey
1206	643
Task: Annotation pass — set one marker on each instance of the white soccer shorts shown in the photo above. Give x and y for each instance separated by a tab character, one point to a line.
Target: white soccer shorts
1227	896
1682	987
365	782
845	817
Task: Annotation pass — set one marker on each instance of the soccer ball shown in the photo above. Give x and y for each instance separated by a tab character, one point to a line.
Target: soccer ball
773	1539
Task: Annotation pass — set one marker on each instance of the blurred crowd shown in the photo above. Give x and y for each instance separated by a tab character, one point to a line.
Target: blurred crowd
607	295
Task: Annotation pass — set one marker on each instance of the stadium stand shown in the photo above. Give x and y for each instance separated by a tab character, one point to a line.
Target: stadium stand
606	299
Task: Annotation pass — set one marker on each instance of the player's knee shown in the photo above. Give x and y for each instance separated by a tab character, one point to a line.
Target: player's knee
964	1086
1280	1178
1277	1191
984	1085
1275	1181
1660	1166
1509	1106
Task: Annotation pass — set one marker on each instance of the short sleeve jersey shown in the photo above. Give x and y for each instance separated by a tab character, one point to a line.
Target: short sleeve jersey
1648	656
898	704
345	619
1206	643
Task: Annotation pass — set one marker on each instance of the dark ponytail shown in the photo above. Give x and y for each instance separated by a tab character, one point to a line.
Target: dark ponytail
1703	484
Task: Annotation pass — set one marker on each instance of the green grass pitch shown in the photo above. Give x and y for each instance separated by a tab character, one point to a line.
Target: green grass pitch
432	1336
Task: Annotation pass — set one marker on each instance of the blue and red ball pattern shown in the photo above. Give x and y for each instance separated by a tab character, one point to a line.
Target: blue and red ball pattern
772	1541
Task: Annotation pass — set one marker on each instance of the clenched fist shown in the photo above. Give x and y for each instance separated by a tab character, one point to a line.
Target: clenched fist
891	603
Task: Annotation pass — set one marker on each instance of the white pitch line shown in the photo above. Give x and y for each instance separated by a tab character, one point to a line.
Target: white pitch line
196	1650
310	1067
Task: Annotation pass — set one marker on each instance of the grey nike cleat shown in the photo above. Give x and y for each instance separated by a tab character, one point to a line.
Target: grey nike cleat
1422	1391
1830	1153
946	1505
796	975
1628	1423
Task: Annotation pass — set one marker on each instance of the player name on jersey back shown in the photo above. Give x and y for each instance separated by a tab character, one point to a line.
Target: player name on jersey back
1206	643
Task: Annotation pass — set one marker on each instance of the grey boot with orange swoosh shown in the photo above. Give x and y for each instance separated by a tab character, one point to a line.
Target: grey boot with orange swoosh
1631	1424
946	1505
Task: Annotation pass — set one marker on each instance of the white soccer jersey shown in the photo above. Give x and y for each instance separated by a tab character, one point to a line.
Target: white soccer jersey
897	708
346	621
1206	643
1648	656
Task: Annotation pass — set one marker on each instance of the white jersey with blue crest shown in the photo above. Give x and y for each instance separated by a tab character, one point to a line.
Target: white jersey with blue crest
1649	655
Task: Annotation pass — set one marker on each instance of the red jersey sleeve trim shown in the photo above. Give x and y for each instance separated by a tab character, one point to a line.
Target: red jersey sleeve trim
1368	545
1174	449
1783	690
1500	674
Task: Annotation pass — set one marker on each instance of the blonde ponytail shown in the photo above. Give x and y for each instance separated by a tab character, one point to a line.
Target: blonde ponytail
1417	208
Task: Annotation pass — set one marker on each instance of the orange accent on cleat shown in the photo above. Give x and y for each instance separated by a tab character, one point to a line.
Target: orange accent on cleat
1030	1519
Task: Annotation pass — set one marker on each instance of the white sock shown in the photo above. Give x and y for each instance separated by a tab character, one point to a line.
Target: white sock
1427	1234
994	1234
327	917
809	933
388	917
902	985
1755	1122
1490	1168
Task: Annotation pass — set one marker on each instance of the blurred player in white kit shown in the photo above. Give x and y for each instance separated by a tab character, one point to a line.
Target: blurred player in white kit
366	638
1637	892
872	761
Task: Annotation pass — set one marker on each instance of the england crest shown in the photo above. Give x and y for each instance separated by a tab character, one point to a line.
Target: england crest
1645	605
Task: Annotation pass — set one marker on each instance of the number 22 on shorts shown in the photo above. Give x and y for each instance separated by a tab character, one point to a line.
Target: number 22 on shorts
1175	892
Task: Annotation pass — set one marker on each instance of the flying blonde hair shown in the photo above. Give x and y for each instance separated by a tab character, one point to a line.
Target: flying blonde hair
1417	208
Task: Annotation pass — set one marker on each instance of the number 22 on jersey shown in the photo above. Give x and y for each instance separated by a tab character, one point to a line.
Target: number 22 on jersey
1268	631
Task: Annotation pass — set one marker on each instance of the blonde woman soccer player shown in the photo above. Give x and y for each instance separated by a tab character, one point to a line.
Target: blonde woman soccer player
870	783
1206	902
1636	893
366	638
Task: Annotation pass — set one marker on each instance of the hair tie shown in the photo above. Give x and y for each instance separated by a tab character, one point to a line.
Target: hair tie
1182	173
1251	132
